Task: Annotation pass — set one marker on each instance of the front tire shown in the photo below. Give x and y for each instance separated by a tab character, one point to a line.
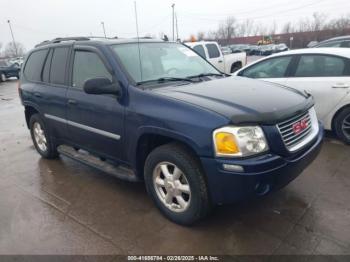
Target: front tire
175	181
41	138
342	125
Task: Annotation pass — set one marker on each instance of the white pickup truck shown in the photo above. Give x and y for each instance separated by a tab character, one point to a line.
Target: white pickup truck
211	51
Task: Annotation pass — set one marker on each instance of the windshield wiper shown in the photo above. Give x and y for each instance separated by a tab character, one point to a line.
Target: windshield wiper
207	74
166	79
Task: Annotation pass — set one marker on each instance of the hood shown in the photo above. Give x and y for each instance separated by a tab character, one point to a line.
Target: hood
242	100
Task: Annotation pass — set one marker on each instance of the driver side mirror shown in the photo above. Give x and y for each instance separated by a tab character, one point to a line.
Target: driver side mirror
100	86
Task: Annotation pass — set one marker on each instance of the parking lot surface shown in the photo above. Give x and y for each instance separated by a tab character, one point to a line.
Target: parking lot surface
63	207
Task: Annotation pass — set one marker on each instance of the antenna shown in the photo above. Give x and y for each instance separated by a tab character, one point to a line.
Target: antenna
138	39
104	30
172	6
177	29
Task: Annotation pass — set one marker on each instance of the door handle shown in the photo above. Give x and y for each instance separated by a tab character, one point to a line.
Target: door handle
37	94
220	61
340	85
72	102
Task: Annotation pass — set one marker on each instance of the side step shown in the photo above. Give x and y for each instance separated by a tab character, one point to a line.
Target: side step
93	161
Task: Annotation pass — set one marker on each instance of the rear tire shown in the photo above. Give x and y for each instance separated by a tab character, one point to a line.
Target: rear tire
41	137
183	182
342	125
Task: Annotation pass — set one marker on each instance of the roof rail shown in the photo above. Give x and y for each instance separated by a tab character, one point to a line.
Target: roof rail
61	39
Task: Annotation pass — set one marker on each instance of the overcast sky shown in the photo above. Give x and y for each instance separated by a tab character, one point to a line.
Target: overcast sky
36	20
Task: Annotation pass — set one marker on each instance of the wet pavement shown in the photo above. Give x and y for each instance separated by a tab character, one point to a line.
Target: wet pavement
63	207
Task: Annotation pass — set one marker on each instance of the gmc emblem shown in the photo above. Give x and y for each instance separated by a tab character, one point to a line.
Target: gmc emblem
300	126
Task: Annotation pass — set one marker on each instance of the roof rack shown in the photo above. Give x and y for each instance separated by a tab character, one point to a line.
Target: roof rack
62	39
78	38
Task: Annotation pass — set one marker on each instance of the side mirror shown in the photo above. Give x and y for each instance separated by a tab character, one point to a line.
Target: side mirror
101	85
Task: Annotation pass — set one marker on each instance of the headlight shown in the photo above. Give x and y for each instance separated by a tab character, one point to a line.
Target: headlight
239	141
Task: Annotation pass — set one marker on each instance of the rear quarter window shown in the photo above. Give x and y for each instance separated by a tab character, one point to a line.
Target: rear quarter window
34	65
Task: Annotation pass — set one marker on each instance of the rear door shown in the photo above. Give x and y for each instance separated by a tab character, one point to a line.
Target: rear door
325	77
95	122
274	69
215	57
50	90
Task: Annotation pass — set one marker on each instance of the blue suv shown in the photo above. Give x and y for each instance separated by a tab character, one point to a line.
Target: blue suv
154	111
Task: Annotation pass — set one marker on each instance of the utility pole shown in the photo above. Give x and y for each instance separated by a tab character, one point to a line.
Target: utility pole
103	27
173	6
177	29
13	38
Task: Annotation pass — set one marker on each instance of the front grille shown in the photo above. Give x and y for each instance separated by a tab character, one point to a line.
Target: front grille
295	140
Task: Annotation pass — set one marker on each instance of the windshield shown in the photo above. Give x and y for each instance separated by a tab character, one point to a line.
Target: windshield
161	60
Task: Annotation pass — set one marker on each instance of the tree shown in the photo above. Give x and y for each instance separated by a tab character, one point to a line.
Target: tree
287	28
12	50
200	36
227	29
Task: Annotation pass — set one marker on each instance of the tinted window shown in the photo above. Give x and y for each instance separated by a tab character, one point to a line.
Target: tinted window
200	50
46	70
213	50
58	65
88	65
33	67
271	68
320	65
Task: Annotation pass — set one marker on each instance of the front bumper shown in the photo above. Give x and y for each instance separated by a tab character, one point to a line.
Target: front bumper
262	174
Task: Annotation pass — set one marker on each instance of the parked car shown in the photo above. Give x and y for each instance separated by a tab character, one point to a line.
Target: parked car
280	48
240	48
226	50
154	111
17	61
322	72
253	50
7	70
211	51
341	41
266	50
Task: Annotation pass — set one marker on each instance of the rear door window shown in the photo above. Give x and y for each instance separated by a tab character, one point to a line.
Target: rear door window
58	65
88	65
320	66
46	70
200	50
213	50
270	68
34	65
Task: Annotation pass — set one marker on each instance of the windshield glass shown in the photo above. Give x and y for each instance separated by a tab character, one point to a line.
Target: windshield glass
161	60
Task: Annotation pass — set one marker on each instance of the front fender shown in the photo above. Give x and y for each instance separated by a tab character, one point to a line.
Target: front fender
167	133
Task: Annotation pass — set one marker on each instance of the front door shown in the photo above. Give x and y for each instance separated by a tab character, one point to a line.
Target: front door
94	122
215	57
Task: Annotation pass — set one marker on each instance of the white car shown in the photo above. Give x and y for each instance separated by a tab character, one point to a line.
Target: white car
322	72
210	50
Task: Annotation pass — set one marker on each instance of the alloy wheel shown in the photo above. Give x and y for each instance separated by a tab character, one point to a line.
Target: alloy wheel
346	126
172	187
39	137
